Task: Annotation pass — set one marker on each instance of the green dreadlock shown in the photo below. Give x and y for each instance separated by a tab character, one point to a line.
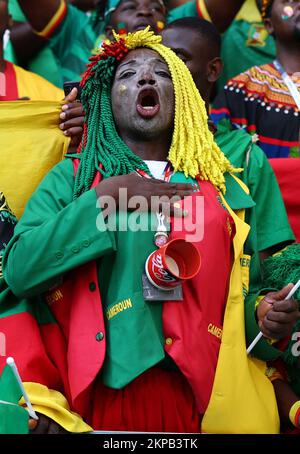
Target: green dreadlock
278	271
283	268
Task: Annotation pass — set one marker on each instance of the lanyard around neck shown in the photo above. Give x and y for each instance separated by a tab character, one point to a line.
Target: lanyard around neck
167	173
288	82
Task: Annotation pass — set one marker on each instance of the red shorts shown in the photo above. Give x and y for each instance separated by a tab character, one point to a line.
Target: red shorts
156	401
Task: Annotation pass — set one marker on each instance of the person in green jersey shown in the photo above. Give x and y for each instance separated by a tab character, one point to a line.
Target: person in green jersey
248	38
28	50
32	52
73	36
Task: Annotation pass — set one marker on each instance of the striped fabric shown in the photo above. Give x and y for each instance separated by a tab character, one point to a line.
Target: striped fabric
55	21
72	39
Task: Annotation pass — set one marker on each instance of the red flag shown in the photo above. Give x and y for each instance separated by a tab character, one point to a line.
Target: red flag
287	171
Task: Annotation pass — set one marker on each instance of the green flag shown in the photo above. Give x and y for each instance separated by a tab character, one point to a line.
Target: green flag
13	417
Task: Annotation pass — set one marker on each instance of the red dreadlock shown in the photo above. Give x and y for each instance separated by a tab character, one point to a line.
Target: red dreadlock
116	49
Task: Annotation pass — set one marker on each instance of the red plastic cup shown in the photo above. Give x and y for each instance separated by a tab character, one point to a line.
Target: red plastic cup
172	264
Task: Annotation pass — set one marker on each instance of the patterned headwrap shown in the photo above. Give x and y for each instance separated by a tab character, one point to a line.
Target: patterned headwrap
193	150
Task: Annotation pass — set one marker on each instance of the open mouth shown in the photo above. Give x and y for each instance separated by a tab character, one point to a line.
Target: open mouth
142	25
148	103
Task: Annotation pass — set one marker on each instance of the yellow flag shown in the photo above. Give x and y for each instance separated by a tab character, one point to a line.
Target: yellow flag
31	143
249	12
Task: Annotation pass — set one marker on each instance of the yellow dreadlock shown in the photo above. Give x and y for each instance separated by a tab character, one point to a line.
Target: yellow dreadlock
193	149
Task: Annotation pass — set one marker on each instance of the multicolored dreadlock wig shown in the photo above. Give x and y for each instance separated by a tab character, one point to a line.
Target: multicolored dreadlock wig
193	150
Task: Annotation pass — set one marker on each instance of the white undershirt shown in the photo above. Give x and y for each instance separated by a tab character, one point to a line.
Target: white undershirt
157	168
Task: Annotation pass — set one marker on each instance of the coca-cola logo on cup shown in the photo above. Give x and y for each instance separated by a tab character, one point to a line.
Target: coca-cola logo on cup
159	271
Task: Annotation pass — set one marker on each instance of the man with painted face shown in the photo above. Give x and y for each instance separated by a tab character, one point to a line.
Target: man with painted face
73	36
121	361
265	99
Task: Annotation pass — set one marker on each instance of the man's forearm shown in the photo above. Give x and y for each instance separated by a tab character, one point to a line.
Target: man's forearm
39	12
26	43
